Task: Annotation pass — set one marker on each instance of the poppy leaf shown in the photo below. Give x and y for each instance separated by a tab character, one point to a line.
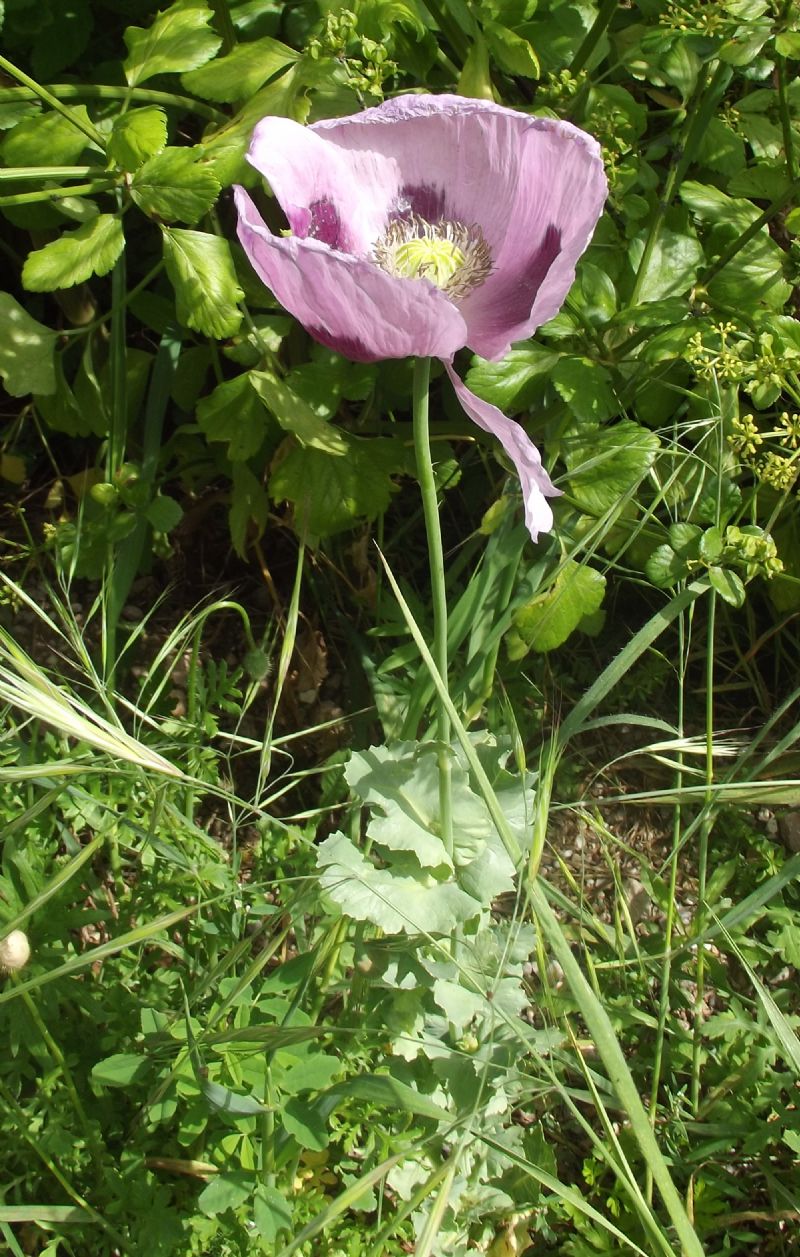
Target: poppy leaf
396	902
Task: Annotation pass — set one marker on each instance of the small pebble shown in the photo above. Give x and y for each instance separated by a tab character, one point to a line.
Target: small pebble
15	951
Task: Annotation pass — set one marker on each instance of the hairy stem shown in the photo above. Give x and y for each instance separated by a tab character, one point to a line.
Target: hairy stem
604	15
699	110
430	506
110	91
88	128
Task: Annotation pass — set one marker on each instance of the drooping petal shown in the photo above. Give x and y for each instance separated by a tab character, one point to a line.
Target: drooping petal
537	486
349	303
559	197
338	198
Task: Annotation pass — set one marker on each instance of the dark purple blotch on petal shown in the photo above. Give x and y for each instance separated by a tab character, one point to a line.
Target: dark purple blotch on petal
325	224
533	273
423	200
348	346
512	301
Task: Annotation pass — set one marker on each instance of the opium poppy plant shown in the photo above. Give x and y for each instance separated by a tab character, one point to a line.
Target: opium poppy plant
425	225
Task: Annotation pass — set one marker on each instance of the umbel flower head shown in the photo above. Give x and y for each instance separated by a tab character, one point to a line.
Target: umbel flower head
425	225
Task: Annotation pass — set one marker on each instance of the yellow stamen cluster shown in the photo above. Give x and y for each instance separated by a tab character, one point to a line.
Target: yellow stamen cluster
454	257
424	258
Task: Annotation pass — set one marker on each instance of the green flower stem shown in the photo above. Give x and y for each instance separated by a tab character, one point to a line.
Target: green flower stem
224	24
430	506
42	93
115	456
604	15
669	925
699	111
21	173
60	1062
786	119
268	1130
706	826
108	91
57	194
786	198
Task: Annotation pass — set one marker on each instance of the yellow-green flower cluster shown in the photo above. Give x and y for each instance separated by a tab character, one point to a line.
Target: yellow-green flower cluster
745	438
558	89
790	423
766	368
705	18
721	360
778	470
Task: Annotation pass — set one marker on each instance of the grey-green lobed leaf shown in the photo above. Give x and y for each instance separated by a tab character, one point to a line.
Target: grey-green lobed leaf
397	903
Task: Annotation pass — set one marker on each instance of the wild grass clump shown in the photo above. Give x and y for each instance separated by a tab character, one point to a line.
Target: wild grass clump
363	891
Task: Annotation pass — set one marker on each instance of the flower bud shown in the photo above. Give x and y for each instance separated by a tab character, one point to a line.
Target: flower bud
15	951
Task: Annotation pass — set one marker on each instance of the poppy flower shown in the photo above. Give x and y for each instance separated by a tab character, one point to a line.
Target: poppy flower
424	225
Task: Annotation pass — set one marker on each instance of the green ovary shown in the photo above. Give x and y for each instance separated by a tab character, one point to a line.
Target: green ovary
423	258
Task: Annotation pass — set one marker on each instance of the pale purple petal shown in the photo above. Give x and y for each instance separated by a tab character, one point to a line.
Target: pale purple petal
537	486
349	303
559	198
340	199
448	157
535	187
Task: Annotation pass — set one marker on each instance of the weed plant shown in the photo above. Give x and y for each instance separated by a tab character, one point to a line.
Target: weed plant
263	1009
